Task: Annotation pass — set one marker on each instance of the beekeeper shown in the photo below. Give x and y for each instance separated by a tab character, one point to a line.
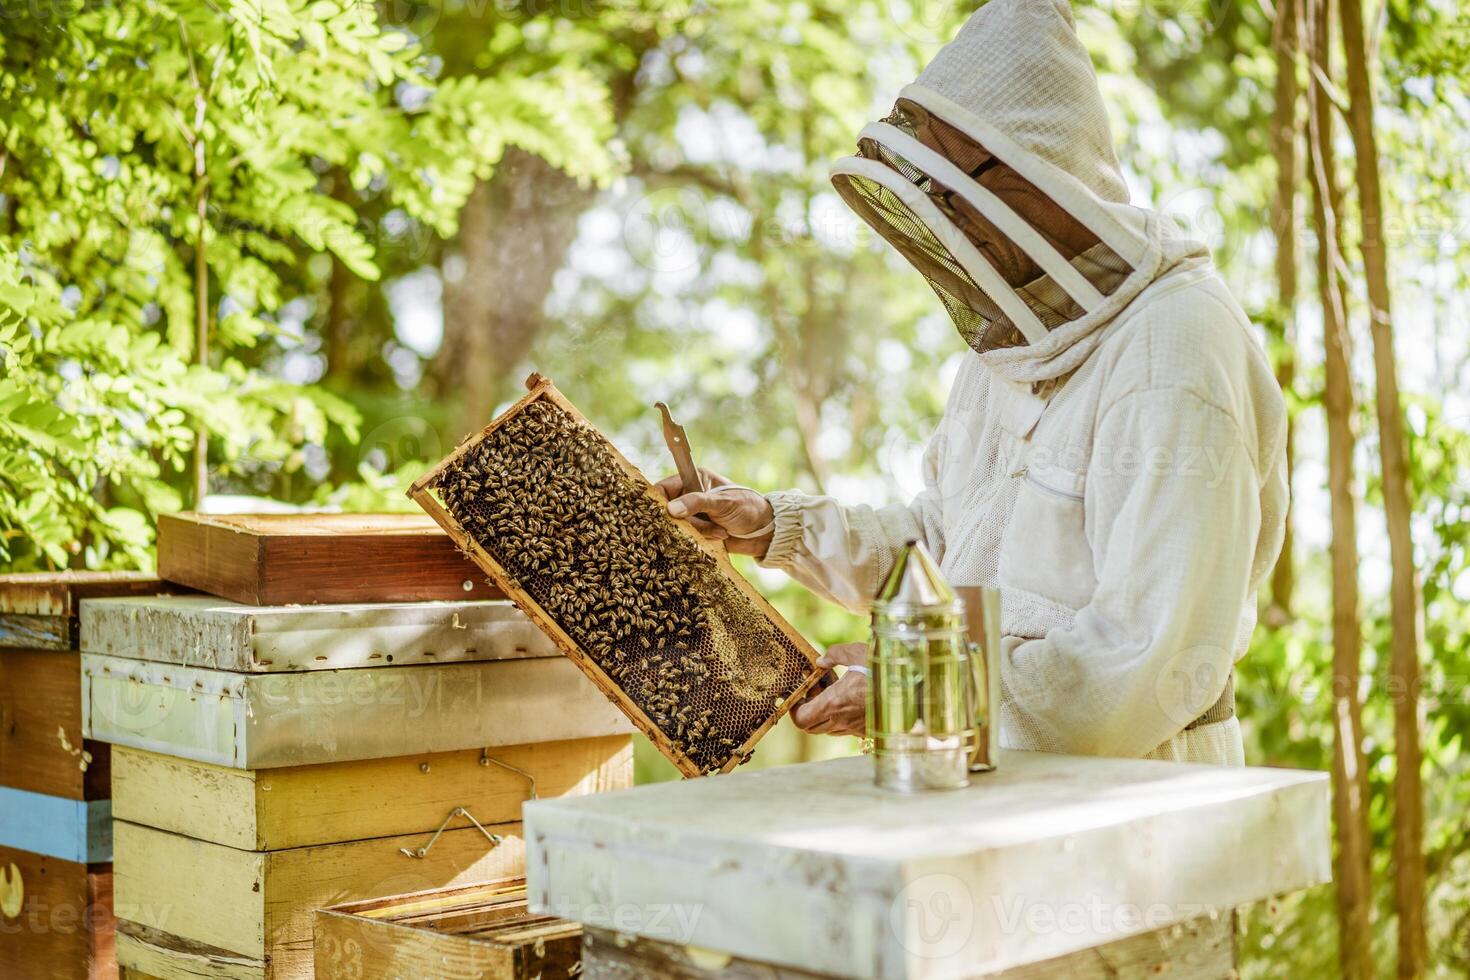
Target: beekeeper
1112	453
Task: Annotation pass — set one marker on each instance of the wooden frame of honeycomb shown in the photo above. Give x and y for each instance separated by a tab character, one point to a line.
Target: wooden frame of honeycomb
650	610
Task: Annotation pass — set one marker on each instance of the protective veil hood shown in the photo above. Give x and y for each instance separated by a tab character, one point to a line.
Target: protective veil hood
995	176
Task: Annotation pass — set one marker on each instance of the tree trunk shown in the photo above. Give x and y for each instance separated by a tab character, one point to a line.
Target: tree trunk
514	234
341	320
201	331
201	273
339	325
1352	868
1285	135
1408	843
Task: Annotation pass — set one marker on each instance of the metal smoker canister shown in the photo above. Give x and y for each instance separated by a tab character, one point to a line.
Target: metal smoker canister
922	696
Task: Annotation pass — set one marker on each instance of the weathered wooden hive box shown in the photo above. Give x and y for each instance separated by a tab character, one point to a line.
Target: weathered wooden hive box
484	931
649	609
272	760
55	821
274	559
1049	866
267	686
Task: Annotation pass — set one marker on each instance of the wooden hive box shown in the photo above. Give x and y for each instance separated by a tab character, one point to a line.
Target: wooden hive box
189	905
814	869
41	745
485	931
42	748
648	608
55	918
275	559
259	687
204	631
218	871
55	836
269	720
305	806
38	610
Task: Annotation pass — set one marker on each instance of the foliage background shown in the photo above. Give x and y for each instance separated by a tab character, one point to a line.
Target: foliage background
402	207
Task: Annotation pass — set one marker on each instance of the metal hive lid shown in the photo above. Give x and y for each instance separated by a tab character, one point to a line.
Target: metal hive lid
915	585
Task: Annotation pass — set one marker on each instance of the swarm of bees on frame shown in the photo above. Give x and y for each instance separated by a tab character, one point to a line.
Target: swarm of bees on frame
545	496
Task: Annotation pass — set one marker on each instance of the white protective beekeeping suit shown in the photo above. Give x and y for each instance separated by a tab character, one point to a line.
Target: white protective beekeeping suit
1112	454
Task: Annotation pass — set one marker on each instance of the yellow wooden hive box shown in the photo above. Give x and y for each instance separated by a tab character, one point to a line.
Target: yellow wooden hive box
218	870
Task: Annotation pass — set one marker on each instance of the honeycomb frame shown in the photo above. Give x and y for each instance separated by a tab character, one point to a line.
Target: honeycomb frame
690	756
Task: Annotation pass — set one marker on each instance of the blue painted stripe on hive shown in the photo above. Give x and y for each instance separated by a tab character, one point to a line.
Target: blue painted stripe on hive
72	830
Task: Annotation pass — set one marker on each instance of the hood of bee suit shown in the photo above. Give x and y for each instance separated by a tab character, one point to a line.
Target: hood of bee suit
995	176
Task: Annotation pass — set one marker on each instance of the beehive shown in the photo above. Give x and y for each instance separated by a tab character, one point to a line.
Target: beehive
219	870
55	832
271	760
652	612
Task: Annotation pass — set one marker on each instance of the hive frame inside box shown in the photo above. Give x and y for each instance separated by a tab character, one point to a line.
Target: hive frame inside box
447	932
541	388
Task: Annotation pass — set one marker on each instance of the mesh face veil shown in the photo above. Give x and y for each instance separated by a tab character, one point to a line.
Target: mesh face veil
1007	261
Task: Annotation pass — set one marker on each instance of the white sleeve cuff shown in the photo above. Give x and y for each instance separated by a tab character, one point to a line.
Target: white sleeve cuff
786	537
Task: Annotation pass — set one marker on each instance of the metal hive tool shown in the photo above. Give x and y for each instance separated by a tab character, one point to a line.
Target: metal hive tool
653	613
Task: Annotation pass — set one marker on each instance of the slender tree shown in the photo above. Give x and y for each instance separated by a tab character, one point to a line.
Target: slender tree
1350	782
517	226
194	135
514	234
1285	138
1408	842
338	323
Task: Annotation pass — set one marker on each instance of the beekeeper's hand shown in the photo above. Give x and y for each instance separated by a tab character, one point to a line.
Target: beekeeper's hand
842	707
733	513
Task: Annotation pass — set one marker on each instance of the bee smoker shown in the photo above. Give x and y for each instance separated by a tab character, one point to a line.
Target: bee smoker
931	695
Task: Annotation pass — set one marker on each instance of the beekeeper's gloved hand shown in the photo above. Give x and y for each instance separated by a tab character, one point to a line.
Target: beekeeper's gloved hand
739	516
